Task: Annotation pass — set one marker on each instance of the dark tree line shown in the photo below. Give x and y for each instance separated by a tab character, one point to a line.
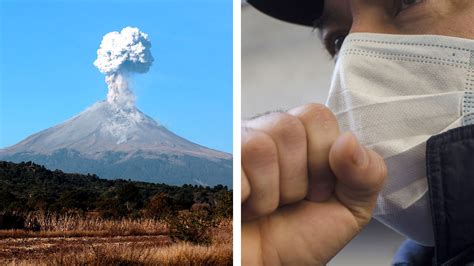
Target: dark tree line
26	187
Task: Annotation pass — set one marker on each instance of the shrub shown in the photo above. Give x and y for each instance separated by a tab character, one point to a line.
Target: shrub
159	206
191	227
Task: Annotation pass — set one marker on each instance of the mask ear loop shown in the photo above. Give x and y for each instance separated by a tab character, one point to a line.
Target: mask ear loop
468	108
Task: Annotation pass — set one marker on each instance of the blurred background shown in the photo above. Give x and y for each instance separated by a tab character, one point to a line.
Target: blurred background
284	66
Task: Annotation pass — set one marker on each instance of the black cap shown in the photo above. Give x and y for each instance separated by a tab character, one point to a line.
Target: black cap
302	12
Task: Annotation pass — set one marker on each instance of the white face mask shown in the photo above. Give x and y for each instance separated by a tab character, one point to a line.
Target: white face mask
395	92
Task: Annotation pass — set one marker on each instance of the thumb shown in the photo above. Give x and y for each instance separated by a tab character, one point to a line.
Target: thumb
360	174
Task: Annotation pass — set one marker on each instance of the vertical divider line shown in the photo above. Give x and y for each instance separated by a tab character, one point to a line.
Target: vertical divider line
236	130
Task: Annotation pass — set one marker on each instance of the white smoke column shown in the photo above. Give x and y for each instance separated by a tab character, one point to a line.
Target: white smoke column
120	54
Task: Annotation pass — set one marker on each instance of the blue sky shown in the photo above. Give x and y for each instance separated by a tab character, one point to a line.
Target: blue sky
46	73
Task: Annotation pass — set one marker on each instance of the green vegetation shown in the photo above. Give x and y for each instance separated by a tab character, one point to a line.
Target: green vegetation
27	187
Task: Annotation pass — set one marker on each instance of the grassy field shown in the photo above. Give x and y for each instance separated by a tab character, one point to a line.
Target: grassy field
75	240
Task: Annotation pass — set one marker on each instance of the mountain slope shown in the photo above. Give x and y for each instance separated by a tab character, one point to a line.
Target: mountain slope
121	142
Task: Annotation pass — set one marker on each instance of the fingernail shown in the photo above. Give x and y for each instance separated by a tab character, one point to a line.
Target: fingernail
361	157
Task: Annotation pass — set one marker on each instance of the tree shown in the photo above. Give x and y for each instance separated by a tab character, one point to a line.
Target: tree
129	195
7	199
159	206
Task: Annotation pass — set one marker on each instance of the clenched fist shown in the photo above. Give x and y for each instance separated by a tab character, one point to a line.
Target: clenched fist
307	189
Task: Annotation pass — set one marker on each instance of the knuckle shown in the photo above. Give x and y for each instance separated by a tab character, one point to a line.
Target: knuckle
381	170
257	145
317	113
288	127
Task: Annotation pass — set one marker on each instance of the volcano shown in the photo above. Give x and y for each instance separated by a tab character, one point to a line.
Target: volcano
114	141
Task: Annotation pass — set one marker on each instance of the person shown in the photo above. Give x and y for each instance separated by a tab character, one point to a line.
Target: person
395	140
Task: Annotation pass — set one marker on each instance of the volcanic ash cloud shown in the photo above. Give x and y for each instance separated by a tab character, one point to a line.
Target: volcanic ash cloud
119	56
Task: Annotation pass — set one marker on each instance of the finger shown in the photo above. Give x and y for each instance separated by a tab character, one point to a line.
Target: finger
245	193
321	132
360	175
260	164
289	134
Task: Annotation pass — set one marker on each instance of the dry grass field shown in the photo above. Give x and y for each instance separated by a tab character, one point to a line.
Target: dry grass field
74	240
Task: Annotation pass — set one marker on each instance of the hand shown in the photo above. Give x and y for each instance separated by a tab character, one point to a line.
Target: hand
307	190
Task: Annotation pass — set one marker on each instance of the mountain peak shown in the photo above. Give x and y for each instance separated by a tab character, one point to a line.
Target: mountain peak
121	122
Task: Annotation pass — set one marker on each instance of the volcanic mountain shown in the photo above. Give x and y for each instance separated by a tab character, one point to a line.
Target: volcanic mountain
116	141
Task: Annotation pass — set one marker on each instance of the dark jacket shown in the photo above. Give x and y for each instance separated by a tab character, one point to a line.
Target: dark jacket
450	173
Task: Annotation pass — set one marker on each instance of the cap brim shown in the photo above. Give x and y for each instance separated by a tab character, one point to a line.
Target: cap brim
302	12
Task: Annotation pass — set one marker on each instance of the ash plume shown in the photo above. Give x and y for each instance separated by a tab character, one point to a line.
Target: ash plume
121	54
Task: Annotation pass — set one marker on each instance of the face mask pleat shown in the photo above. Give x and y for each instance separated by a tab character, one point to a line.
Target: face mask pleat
393	120
405	163
351	99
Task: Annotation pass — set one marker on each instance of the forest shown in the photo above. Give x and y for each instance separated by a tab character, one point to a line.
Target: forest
27	187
